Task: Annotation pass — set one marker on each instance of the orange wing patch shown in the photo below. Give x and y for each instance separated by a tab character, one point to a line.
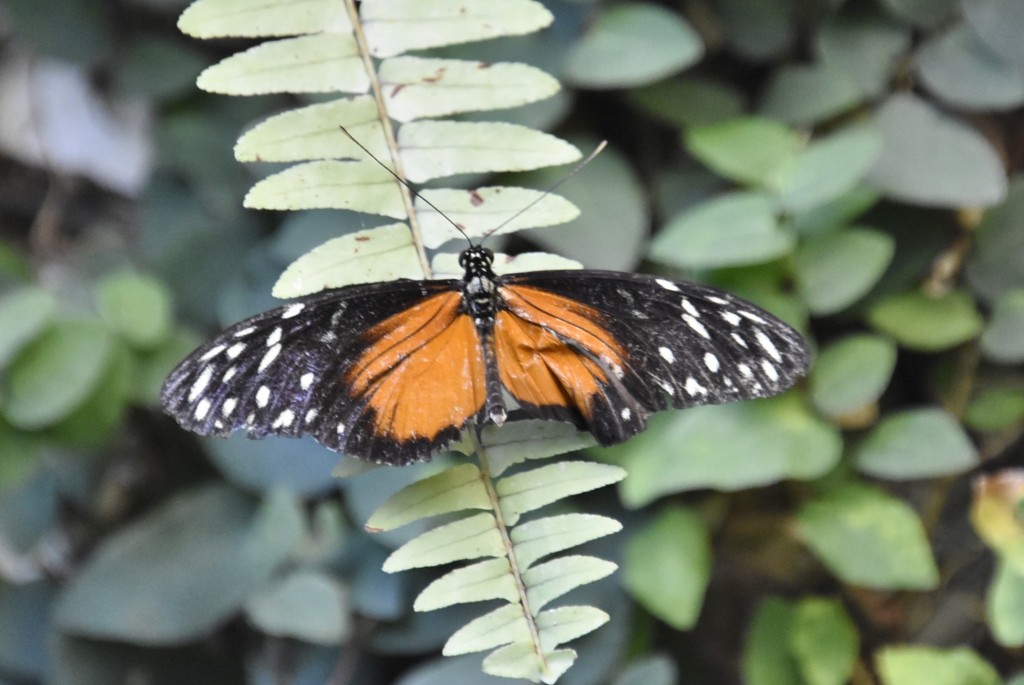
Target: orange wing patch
423	372
534	363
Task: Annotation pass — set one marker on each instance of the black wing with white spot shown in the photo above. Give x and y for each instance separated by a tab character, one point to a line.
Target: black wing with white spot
686	344
281	372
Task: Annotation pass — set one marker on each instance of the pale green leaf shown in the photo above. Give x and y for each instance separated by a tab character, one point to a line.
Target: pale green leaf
433	149
136	306
329	184
1005	602
828	168
998	23
993	265
1003	339
837	214
934	160
524	492
929	324
995	410
469	538
689	101
24	314
650	669
920	665
851	374
56	373
804	94
248	19
919	443
735	229
548	581
962	70
305	605
479	582
420	88
562	624
746	149
385	253
313	133
455	489
503	626
517	434
866	537
519	441
396	26
824	642
478	212
632	45
836	269
322	63
540	537
138	587
668	566
866	45
767	657
520	660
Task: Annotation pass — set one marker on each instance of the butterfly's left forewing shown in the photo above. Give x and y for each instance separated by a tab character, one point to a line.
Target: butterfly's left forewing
318	366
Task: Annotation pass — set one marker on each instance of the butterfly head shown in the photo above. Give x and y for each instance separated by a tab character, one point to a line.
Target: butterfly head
476	261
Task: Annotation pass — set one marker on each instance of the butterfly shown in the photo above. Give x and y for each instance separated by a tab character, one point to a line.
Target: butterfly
392	372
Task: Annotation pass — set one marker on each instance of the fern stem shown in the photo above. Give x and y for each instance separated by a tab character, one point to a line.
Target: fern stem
524	601
389	135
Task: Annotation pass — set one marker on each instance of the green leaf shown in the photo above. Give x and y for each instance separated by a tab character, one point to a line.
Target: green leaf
934	160
242	18
748	149
306	605
177	573
55	374
519	441
918	665
920	443
329	184
519	660
995	410
668	565
923	13
993	267
729	447
548	581
928	324
834	270
962	70
689	101
996	21
835	214
397	26
530	490
865	537
541	537
321	63
804	95
435	149
455	489
767	657
735	229
469	538
562	624
136	306
98	417
824	642
419	88
656	669
758	30
1003	339
828	168
1005	604
478	212
502	626
479	582
24	313
866	45
852	374
632	45
385	253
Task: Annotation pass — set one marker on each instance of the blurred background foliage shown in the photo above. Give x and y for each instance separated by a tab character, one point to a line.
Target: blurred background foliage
852	166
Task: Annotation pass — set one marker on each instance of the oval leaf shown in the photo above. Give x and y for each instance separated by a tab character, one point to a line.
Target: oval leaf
922	443
246	19
24	314
835	270
852	374
306	605
925	323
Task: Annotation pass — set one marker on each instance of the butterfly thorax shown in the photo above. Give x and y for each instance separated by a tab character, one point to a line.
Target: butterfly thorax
479	289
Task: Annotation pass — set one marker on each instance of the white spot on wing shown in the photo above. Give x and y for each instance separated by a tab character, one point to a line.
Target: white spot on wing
310	415
212	352
269	357
625	414
229	374
341	429
275	337
229	406
745	370
739	340
718	300
752	316
767	345
200	384
690	309
711	361
292	310
667	387
696	326
306	381
693	387
666	354
244	332
202	409
236	350
769	370
667	285
262	396
732	318
284	419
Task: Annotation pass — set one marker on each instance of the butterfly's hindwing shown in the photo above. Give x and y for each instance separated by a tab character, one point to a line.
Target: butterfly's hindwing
284	372
684	345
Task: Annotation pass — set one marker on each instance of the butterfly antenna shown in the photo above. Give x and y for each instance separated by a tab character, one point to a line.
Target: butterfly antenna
552	188
405	183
